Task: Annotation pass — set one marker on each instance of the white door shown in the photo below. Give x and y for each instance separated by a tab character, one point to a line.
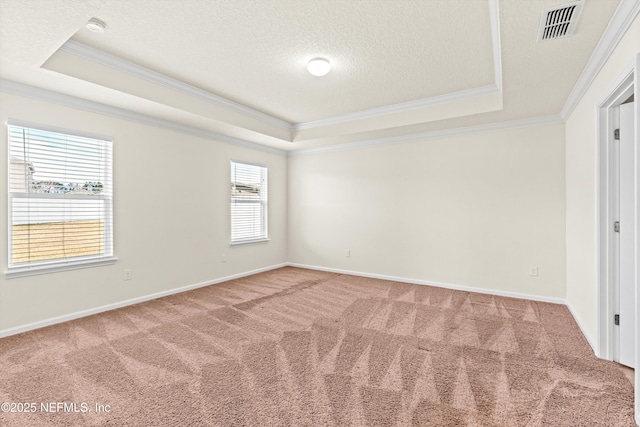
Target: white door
627	233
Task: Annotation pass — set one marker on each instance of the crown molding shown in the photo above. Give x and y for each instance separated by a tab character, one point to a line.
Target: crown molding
398	108
494	22
122	65
535	121
494	19
9	86
620	22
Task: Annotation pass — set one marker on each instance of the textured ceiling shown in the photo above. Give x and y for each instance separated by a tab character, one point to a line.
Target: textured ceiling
255	52
237	67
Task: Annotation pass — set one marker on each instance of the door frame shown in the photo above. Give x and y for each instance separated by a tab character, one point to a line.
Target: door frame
625	86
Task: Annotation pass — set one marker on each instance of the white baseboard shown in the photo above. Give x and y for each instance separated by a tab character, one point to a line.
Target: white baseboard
113	306
437	284
83	313
583	330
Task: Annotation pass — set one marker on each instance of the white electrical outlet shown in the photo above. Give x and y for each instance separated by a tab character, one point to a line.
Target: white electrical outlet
223	258
127	274
533	270
347	253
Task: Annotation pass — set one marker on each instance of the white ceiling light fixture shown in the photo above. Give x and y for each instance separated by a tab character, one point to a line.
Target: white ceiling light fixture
319	66
96	25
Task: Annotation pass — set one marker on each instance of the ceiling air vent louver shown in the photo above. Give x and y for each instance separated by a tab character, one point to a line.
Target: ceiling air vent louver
560	21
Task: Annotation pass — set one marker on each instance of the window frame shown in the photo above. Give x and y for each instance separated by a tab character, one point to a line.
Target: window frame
71	263
263	201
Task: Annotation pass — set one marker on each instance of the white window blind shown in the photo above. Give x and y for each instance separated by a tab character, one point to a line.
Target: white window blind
248	203
60	198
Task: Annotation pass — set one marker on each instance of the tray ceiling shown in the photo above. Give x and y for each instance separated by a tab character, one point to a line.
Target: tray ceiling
237	67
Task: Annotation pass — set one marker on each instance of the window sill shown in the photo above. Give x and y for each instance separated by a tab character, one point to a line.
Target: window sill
248	242
54	268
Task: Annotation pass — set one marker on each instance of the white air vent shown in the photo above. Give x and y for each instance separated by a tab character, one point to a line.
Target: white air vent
560	21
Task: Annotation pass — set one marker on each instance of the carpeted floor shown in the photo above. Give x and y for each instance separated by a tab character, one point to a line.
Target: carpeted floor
294	347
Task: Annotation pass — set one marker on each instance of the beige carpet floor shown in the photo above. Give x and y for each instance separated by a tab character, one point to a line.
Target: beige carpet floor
295	347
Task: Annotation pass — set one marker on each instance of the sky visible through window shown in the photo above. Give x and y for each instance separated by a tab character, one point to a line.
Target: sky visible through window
55	158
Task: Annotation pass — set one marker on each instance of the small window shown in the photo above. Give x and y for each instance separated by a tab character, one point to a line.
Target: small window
248	203
60	199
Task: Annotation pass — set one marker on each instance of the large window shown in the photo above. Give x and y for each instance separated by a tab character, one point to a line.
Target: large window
248	203
60	199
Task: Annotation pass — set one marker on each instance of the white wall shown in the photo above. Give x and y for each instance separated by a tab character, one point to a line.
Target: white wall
170	234
581	143
472	210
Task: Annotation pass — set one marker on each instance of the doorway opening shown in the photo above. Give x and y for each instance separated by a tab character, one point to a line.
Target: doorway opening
618	234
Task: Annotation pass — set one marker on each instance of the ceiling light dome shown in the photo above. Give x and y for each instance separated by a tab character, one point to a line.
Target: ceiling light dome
96	25
319	66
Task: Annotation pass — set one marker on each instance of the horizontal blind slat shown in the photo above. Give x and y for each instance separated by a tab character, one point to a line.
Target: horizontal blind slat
60	197
248	202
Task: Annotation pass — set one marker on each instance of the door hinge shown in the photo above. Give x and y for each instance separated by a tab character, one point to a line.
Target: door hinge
616	134
616	319
616	226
